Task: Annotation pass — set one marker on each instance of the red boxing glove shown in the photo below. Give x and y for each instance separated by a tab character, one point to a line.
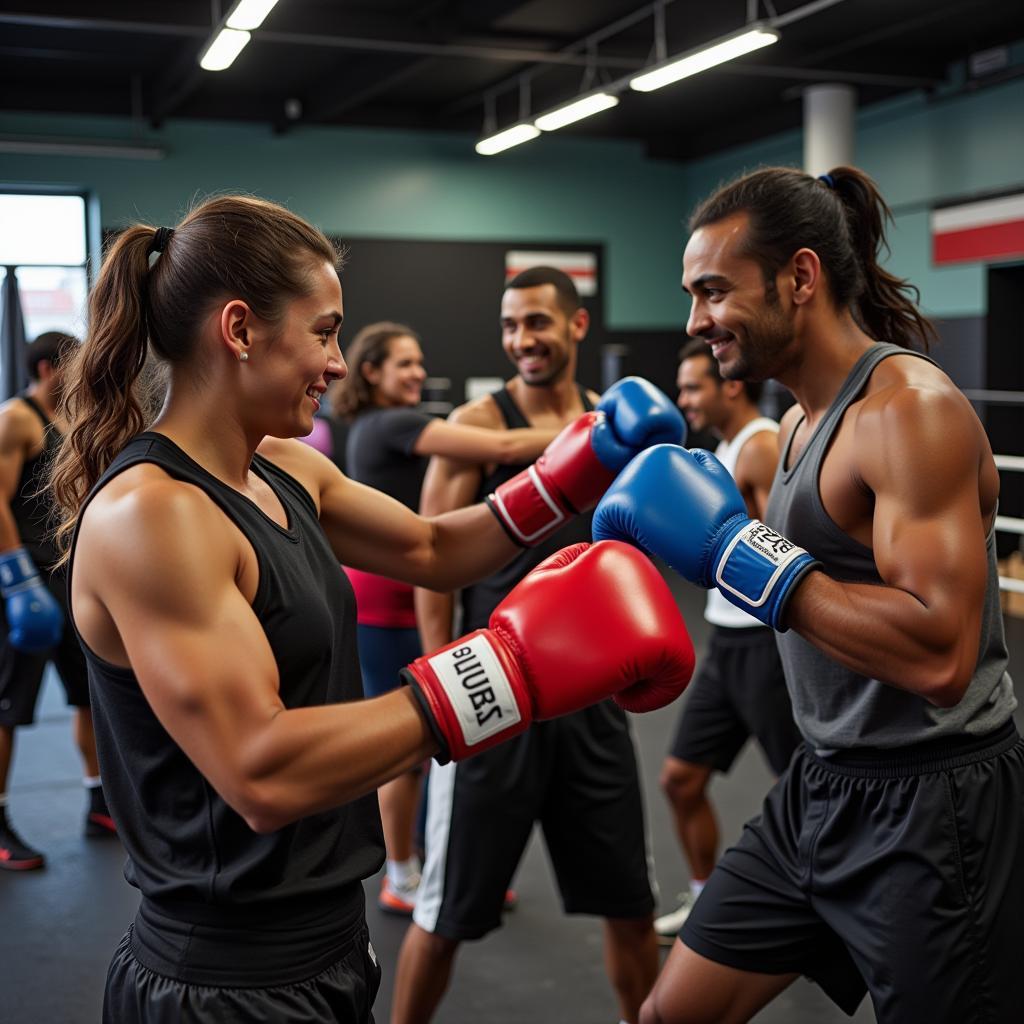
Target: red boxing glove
567	479
590	622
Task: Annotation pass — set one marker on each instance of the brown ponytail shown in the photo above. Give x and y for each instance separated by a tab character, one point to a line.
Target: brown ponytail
842	217
229	246
100	400
887	305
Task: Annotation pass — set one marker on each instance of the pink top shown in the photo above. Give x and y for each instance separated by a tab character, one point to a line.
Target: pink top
381	601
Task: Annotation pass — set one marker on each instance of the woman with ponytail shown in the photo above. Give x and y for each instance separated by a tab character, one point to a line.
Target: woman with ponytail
203	553
886	860
389	445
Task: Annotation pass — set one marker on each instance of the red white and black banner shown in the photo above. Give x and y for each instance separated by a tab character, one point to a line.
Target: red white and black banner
984	231
580	266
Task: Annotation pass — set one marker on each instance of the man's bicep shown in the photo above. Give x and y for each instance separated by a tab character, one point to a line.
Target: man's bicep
13	444
755	471
928	535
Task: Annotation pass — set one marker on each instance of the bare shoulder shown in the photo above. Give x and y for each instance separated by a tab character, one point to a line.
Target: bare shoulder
290	454
593	397
916	433
313	470
912	395
147	519
480	412
757	461
761	450
18	423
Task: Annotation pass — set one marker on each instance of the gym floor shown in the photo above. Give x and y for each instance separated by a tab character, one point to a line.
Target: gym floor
60	925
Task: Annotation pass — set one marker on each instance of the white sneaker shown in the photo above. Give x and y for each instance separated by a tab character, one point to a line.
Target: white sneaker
667	926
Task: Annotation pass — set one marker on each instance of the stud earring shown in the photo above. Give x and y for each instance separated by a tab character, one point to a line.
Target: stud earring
243	357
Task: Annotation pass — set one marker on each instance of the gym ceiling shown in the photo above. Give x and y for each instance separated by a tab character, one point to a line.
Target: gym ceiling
445	65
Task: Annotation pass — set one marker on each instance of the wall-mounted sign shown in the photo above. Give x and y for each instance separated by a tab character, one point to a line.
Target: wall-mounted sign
984	231
580	266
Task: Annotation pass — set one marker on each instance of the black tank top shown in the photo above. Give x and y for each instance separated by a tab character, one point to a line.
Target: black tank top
188	851
479	600
31	512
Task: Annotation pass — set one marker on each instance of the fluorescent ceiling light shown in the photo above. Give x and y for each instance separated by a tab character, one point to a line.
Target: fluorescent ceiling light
221	53
576	111
38	145
510	137
249	14
706	57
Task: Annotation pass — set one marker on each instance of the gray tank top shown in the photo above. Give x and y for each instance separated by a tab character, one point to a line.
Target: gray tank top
835	707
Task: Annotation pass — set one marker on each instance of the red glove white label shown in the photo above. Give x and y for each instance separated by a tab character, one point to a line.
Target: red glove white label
477	689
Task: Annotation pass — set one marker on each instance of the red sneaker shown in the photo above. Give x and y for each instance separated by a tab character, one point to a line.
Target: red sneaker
98	821
511	900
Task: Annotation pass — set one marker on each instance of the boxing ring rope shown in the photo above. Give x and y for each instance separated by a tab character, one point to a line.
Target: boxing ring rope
1010	524
1008	463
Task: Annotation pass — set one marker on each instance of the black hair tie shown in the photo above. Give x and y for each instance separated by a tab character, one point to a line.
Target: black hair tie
160	239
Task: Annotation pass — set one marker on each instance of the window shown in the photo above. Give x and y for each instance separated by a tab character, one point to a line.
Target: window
44	245
47	230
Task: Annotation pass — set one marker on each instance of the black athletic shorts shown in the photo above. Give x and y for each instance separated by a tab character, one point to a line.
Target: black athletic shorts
21	674
898	873
578	777
167	972
739	692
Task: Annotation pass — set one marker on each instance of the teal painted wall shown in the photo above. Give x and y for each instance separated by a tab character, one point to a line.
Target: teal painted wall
920	152
419	185
404	185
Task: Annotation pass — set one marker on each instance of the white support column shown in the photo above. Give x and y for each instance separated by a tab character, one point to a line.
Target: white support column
828	127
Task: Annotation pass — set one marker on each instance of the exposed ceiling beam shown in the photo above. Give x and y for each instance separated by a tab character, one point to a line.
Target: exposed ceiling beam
471	51
104	25
51	53
515	55
829	75
367	78
180	78
328	111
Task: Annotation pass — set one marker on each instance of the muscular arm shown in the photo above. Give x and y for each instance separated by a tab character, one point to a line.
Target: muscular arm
921	454
455	439
14	443
448	485
205	666
368	530
755	471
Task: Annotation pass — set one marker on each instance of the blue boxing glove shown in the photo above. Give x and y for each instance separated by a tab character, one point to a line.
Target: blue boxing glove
637	415
34	618
685	507
579	464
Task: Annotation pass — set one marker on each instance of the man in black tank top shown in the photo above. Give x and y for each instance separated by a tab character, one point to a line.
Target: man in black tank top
887	858
28	438
475	839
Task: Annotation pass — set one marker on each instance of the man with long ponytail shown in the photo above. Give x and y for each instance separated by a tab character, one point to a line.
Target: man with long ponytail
887	858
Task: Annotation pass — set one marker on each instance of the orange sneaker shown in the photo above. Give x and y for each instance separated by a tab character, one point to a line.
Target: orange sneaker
400	900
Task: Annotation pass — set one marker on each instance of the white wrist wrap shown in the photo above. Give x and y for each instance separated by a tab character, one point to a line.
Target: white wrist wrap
477	689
